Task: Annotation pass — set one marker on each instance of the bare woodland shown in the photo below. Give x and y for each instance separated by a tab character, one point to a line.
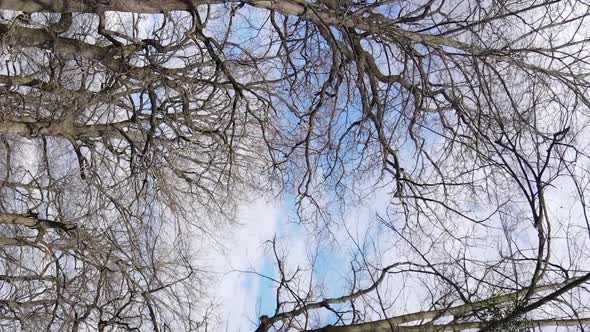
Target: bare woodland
130	131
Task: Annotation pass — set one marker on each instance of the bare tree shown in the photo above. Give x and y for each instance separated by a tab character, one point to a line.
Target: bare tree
473	114
111	169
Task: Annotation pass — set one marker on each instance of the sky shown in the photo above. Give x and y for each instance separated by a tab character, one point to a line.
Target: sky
239	292
243	296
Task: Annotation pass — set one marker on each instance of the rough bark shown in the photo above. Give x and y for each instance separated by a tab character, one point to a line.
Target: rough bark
455	327
139	6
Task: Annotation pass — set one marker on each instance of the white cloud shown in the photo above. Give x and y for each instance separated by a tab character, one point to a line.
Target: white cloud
238	292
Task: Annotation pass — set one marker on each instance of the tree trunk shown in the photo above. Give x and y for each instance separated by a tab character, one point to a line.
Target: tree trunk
136	6
372	327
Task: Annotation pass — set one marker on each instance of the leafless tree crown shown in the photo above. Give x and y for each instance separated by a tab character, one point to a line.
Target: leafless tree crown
131	129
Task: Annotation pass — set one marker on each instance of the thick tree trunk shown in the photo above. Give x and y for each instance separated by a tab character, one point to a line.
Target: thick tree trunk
372	327
17	219
58	128
136	6
384	325
373	23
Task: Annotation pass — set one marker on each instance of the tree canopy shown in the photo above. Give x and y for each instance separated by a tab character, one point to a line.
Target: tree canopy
131	130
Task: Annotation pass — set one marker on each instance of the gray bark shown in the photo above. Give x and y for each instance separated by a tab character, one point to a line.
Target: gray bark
137	6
